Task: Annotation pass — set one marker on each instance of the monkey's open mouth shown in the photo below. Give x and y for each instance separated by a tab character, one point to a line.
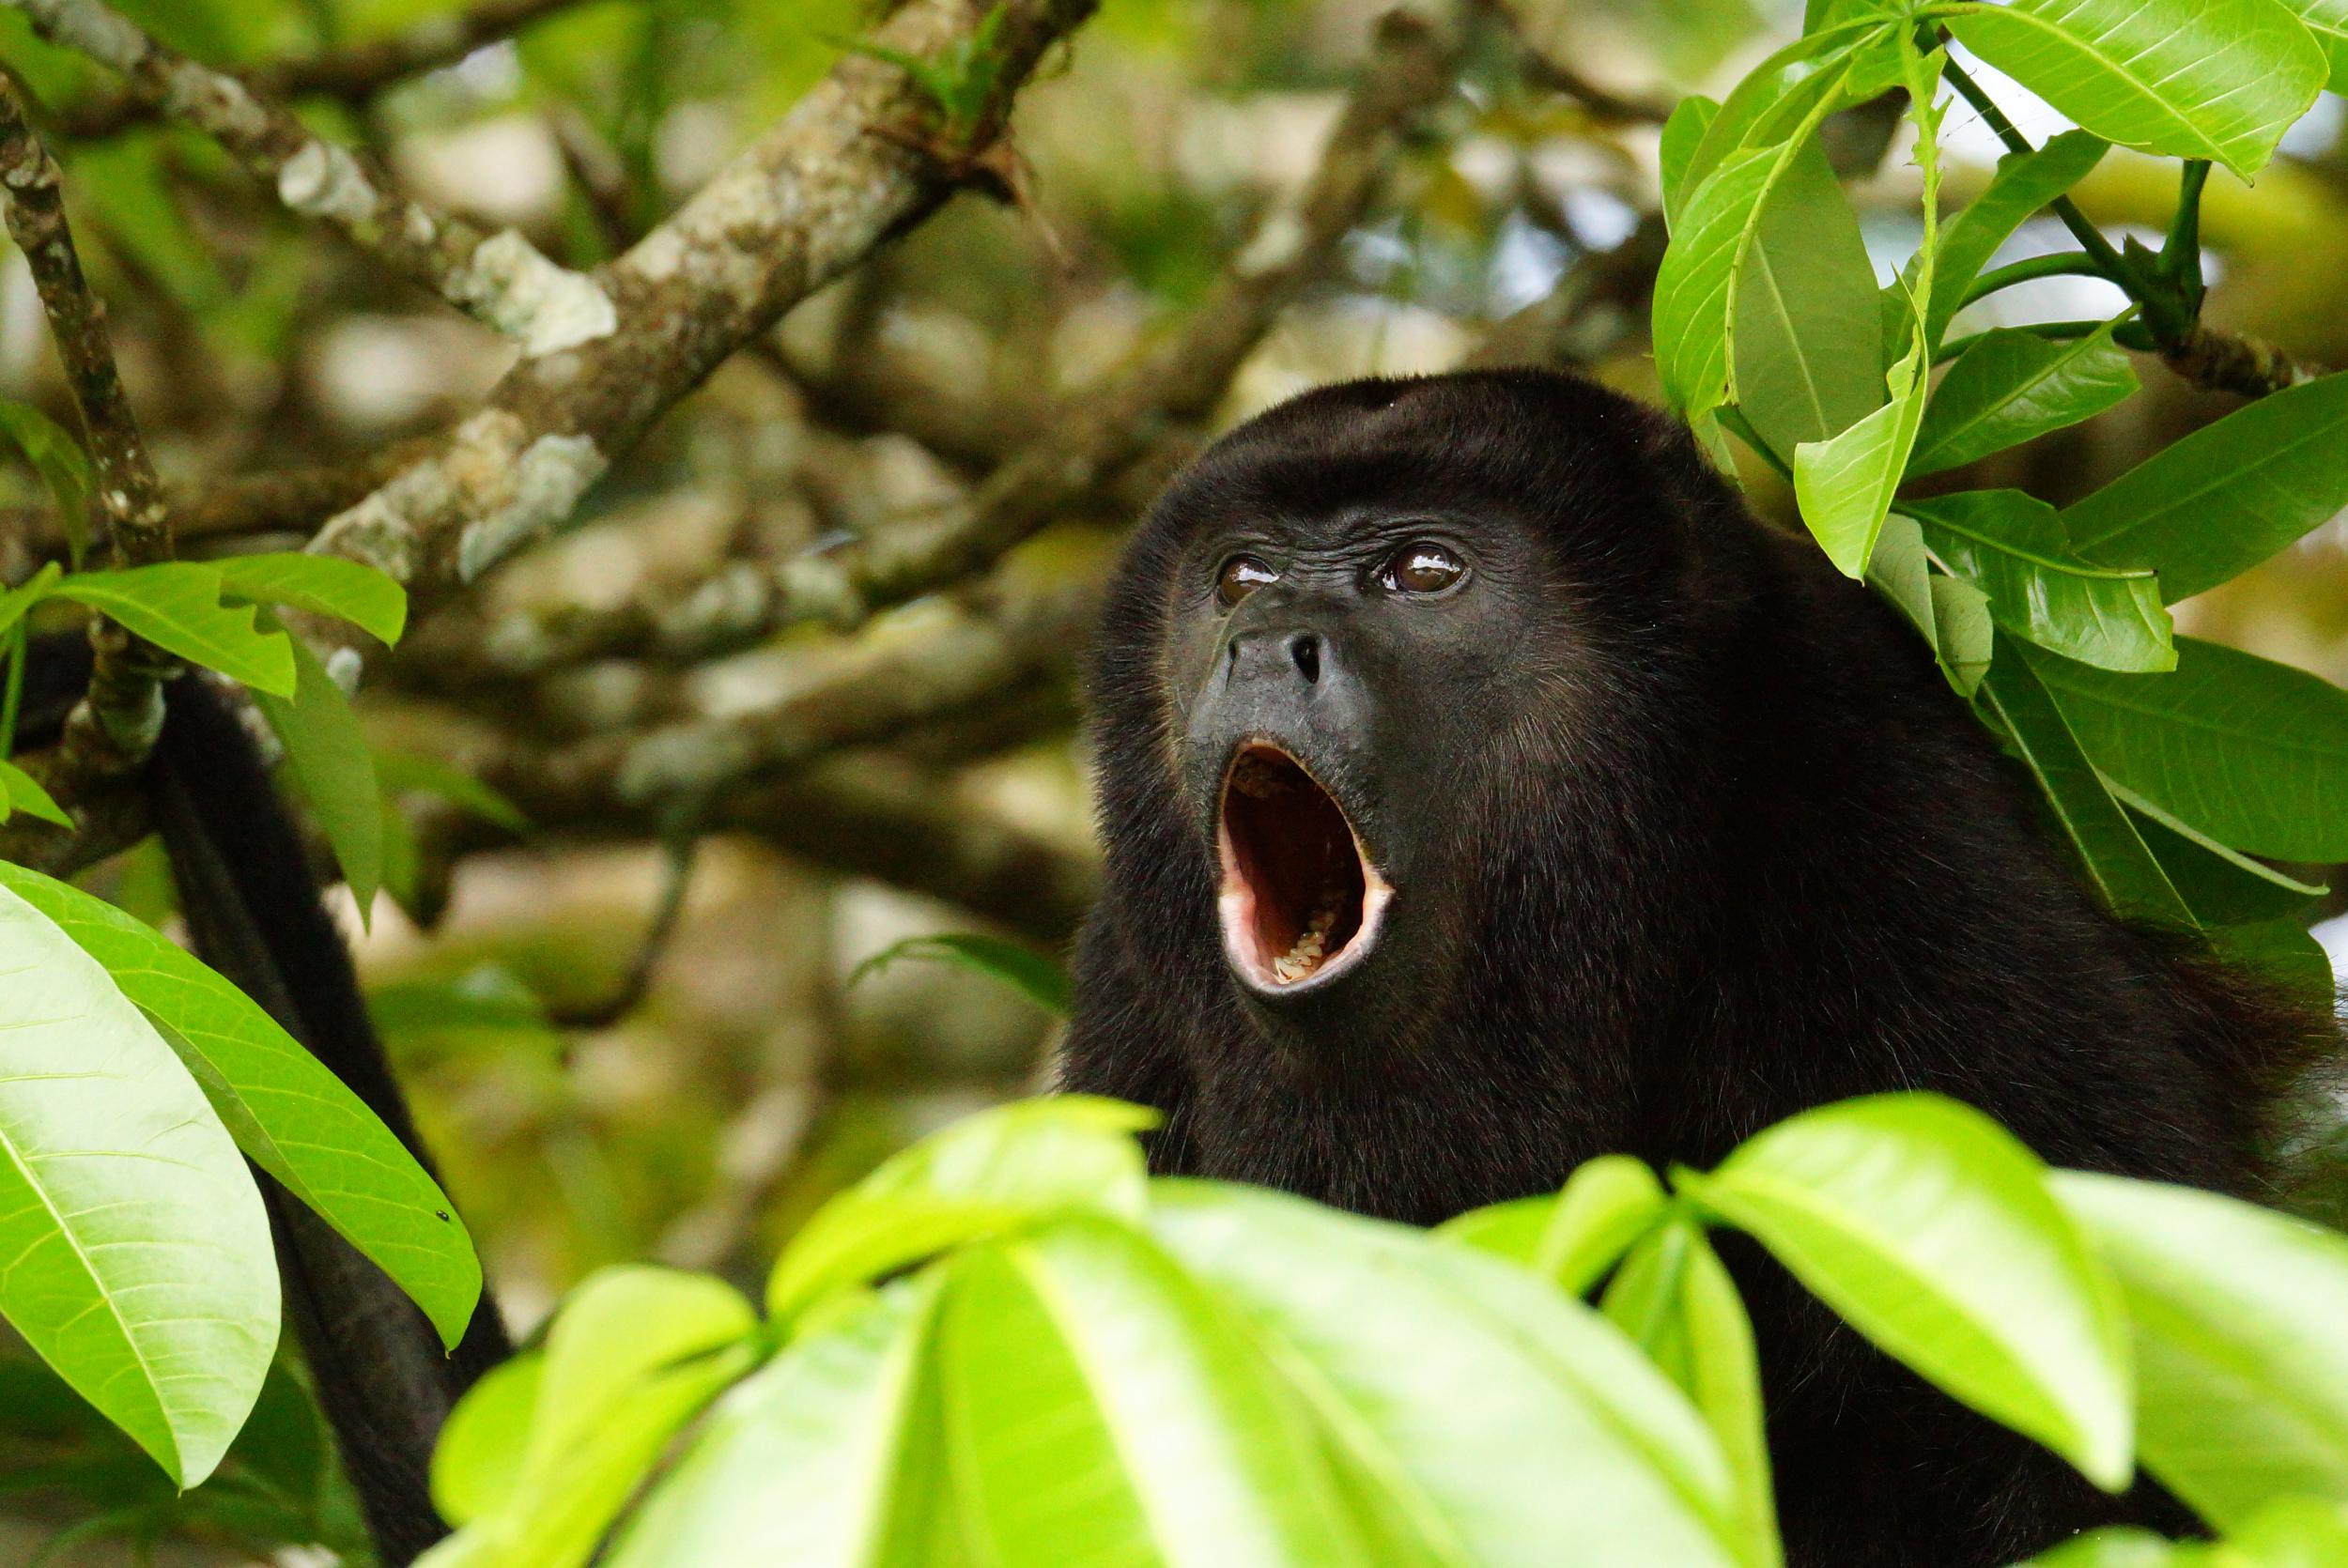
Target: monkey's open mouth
1301	901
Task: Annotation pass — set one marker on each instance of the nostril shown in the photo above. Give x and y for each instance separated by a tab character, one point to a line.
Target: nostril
1305	649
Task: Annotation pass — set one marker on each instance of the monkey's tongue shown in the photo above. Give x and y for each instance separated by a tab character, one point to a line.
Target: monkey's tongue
1293	877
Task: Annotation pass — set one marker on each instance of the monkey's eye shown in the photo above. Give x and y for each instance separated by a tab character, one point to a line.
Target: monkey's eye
1240	577
1422	566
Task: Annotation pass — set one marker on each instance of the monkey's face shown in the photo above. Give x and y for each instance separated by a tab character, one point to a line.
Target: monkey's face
1331	675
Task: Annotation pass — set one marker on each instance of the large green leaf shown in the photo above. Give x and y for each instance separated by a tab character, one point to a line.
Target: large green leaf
1953	617
139	1256
330	759
1004	1168
2012	546
2327	20
635	1353
2218	882
2215	79
1572	1437
1794	88
2110	850
2024	183
811	1461
175	606
323	584
2250	752
1574	1235
1931	1230
2242	1363
1807	336
2227	497
1104	1408
2012	386
290	1114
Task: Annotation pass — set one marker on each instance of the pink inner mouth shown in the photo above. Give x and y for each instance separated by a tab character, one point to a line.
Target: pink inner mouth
1300	900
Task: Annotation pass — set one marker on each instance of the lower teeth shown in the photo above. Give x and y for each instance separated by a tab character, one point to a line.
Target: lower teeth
1303	959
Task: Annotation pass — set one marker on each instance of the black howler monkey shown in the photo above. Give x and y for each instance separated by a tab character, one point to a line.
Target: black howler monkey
1484	788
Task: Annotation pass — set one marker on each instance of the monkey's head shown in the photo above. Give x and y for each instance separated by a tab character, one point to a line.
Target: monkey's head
1352	647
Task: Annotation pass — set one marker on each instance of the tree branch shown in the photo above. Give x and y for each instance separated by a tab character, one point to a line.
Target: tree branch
500	280
1092	441
110	732
849	168
353	73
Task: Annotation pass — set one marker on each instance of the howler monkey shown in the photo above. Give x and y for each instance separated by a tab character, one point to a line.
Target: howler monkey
1485	789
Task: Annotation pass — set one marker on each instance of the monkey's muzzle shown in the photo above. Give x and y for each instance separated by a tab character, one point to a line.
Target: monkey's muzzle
1300	902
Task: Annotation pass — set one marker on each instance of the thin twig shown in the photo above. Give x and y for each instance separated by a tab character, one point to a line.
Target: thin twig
679	851
353	73
500	279
116	725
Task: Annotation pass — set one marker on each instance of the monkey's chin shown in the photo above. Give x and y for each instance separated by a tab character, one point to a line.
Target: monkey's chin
1300	902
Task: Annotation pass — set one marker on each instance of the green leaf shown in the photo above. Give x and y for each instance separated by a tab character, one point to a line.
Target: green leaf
1784	97
2012	546
2219	883
323	584
2327	21
1724	1380
635	1353
2217	504
1845	484
330	759
1807	337
1573	1435
1963	631
1901	571
2024	183
2215	79
1688	121
1081	1353
140	1263
2012	386
1575	1236
2237	1314
175	606
2123	1547
16	603
1027	972
1005	1168
813	1460
2250	752
288	1114
2112	853
477	1462
21	791
1930	1229
402	772
2287	954
61	463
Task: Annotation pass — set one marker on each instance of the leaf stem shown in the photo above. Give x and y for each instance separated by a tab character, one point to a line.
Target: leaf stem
2159	314
2062	264
1735	419
13	691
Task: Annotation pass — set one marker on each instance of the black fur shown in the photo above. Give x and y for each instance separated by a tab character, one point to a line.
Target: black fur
1723	846
253	912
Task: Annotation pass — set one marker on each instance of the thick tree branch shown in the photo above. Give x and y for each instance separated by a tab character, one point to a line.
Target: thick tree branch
500	279
112	729
853	165
2236	363
1090	443
353	73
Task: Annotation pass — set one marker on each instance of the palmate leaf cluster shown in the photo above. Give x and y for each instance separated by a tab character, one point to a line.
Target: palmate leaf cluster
2173	767
1011	1346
